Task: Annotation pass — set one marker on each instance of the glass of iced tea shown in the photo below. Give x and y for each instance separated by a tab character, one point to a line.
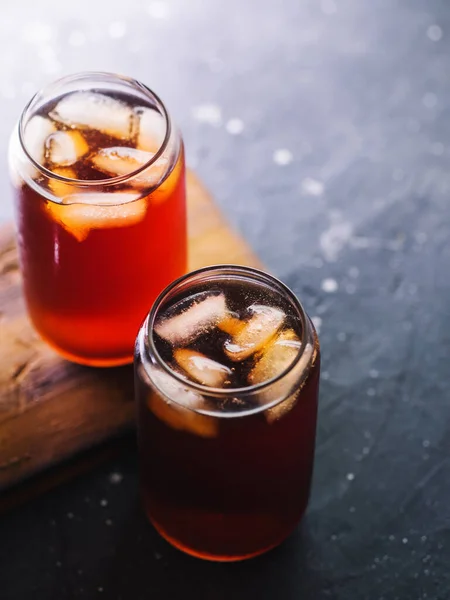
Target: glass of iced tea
227	378
98	173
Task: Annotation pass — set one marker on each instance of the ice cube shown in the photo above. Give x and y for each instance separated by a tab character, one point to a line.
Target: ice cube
285	385
152	129
168	407
64	148
36	132
256	333
121	160
173	180
186	326
80	213
201	368
231	324
61	188
281	409
276	357
95	111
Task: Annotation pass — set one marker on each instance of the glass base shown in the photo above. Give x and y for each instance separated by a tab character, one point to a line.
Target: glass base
90	361
212	557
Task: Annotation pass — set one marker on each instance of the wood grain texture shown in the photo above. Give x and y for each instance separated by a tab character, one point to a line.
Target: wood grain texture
51	409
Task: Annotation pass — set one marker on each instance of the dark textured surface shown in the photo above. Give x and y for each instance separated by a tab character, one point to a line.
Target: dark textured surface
358	223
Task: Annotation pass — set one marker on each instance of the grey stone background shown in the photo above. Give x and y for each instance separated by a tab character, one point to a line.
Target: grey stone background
322	128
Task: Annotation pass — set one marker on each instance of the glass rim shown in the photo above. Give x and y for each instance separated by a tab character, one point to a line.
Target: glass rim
93	183
252	274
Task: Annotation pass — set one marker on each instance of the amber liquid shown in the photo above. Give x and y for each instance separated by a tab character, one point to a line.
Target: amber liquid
87	297
238	493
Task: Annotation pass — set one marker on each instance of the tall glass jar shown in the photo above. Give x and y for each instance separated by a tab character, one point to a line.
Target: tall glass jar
226	471
98	177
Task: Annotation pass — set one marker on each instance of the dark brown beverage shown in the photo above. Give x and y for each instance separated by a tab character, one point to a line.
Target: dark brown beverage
227	372
100	212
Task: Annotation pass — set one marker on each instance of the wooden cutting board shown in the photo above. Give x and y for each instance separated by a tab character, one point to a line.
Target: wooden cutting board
51	409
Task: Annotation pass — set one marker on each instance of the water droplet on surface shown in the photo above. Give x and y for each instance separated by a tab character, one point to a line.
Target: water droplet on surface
208	113
116	478
434	33
282	157
312	187
329	285
235	126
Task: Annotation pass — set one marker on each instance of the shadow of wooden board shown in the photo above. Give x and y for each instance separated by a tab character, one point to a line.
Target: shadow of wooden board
50	409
